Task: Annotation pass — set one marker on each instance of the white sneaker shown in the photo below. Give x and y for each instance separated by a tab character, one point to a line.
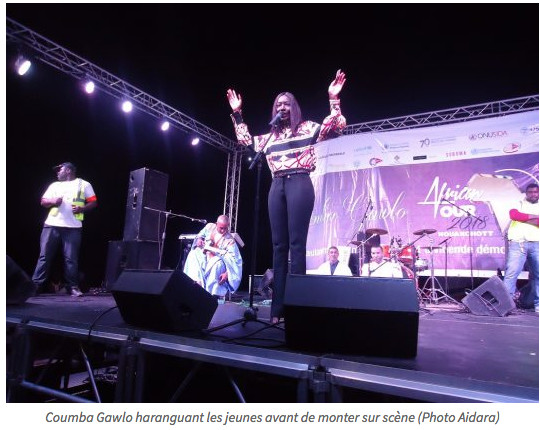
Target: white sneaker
75	292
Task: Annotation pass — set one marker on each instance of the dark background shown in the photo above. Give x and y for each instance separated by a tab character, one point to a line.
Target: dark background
400	59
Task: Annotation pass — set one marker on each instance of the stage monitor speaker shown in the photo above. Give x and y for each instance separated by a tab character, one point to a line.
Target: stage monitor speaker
490	299
147	195
165	300
19	286
131	254
364	316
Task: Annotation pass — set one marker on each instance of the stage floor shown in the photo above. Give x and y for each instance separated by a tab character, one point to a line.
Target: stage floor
461	357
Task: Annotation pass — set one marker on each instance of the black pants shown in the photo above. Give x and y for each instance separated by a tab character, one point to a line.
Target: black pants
290	204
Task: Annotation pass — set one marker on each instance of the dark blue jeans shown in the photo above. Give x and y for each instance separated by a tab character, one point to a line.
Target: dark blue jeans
51	239
519	253
290	204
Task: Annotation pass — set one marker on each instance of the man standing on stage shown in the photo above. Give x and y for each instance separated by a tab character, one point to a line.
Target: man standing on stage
523	247
67	199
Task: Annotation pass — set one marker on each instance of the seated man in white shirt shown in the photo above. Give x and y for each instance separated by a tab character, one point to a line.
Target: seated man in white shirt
379	267
333	266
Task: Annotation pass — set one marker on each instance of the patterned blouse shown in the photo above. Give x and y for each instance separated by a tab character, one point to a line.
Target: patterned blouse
285	151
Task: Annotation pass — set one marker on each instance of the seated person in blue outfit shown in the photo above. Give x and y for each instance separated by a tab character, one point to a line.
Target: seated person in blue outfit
214	261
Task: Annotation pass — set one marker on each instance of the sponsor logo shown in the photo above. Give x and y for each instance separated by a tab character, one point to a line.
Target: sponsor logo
476	151
437	141
419	157
532	129
332	154
363	148
374	161
396	147
488	135
512	147
454	154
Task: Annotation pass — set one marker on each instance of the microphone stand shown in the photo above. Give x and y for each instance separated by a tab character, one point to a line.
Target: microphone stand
251	312
469	215
362	246
161	241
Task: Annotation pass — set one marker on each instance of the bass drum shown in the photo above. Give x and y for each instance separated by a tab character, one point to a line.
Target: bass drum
408	273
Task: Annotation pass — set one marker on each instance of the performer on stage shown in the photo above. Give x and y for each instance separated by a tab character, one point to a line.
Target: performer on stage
214	261
290	156
379	267
523	239
67	199
333	266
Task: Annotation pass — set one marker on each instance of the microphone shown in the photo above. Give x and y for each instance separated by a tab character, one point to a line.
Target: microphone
275	120
445	240
202	221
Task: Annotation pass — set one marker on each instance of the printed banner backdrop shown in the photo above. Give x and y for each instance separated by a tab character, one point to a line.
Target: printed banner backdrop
458	179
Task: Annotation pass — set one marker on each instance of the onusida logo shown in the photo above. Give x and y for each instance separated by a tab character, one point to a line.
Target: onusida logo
488	135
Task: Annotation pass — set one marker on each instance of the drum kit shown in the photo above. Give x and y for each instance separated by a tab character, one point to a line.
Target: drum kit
408	258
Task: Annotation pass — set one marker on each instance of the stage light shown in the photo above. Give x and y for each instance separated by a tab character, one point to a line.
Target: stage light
89	87
22	65
127	106
165	125
195	141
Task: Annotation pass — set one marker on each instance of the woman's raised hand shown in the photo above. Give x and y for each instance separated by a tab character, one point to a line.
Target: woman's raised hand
336	85
235	100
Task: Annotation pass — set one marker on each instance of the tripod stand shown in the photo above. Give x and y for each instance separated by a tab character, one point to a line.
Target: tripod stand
432	294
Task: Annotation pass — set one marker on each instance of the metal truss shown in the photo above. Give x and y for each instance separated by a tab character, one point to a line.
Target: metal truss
232	188
66	61
448	116
62	59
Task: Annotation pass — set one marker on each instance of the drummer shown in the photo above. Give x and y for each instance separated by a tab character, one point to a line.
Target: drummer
380	267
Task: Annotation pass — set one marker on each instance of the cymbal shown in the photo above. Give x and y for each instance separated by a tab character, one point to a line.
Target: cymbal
356	242
431	247
378	231
424	231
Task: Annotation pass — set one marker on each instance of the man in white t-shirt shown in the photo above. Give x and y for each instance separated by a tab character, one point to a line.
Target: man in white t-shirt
379	267
333	266
67	200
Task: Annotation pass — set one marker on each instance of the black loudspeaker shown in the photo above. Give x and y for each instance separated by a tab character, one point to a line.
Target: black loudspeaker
147	196
163	300
19	286
490	298
132	254
365	316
